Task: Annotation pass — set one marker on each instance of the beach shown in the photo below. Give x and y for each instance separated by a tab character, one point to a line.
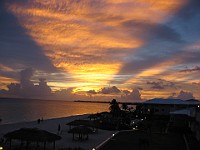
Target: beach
51	125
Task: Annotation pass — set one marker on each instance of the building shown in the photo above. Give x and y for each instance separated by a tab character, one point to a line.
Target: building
165	106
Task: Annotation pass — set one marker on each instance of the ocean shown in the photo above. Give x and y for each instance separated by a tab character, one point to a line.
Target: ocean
22	110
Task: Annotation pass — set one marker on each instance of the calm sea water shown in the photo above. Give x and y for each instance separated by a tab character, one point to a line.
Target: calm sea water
12	111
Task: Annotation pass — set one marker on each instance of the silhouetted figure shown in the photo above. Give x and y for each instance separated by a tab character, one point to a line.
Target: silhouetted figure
38	121
59	129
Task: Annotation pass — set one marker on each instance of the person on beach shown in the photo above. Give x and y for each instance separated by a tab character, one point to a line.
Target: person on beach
59	129
38	121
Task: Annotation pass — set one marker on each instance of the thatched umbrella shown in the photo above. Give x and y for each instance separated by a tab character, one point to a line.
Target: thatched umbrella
81	131
94	116
87	123
32	135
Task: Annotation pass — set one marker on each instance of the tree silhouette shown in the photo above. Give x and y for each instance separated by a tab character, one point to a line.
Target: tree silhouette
124	106
114	108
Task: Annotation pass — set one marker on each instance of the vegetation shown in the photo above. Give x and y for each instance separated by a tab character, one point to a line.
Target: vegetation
124	106
114	108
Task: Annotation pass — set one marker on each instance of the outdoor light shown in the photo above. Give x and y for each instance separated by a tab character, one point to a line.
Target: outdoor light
93	149
133	128
133	122
113	134
141	119
1	148
198	106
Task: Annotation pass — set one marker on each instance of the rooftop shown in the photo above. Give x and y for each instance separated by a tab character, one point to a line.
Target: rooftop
172	101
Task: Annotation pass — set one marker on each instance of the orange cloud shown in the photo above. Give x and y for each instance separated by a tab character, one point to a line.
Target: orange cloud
5	68
5	81
78	37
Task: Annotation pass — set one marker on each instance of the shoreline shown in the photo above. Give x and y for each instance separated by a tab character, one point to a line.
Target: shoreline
51	125
20	122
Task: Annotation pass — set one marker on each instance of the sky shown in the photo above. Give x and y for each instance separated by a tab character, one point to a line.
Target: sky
100	49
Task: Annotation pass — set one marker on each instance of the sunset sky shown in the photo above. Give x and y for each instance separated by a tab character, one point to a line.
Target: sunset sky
100	49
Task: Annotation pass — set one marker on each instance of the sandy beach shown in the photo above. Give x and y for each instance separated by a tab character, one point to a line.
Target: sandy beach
51	125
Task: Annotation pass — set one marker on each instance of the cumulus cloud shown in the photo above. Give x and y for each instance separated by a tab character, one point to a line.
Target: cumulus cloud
110	90
25	76
126	92
134	95
66	94
26	87
184	95
91	92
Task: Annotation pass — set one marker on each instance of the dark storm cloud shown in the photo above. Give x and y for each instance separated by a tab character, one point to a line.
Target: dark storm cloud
9	74
149	31
190	11
163	42
17	49
139	62
161	84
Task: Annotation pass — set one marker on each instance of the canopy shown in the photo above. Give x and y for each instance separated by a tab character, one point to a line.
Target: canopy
81	129
32	134
88	123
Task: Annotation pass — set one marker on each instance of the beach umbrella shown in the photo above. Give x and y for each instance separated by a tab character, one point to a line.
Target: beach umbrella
88	123
94	116
32	135
81	131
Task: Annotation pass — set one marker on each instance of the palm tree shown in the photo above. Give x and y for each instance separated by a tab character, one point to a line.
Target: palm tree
114	108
